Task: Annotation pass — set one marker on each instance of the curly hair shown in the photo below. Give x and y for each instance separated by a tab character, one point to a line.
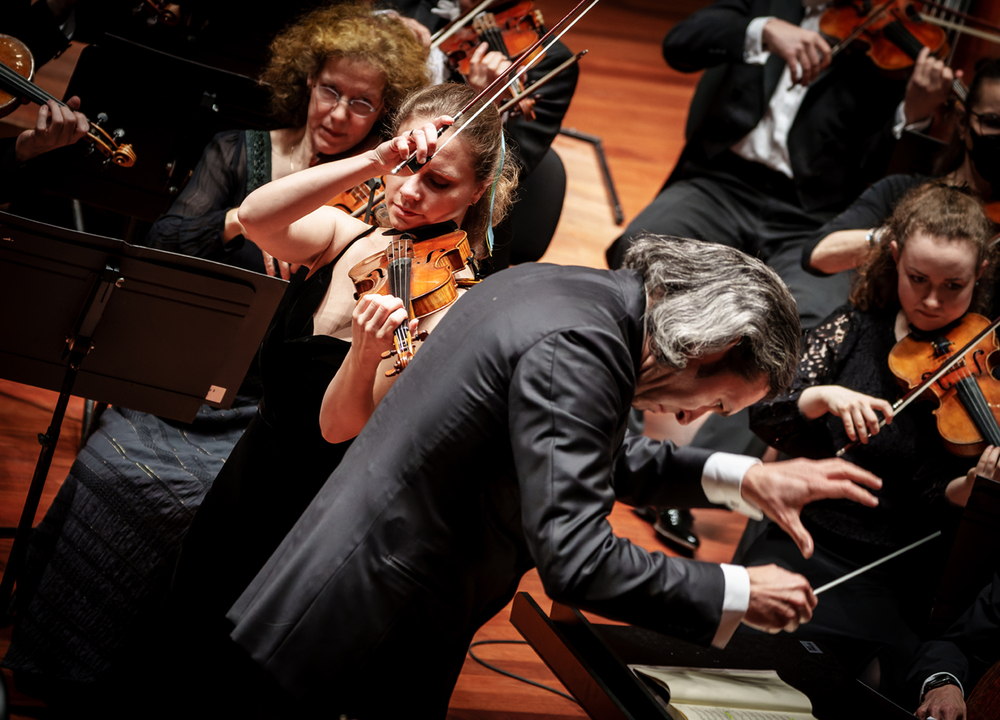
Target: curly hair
349	29
483	137
935	209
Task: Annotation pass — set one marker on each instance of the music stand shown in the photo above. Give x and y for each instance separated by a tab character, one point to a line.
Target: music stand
591	660
150	330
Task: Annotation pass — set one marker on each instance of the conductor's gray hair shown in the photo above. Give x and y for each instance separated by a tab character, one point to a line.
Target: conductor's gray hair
704	297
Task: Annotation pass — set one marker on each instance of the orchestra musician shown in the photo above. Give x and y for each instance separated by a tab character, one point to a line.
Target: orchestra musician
321	362
945	667
935	265
527	232
101	558
333	77
972	160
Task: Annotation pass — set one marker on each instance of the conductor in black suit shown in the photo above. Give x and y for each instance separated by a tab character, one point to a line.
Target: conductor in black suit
780	138
502	447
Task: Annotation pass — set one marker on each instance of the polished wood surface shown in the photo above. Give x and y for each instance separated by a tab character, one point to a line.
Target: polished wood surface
637	105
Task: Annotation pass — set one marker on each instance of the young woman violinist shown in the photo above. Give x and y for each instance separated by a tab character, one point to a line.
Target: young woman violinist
934	266
324	347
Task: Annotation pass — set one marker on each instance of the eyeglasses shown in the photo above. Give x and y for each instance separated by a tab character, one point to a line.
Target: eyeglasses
329	96
990	121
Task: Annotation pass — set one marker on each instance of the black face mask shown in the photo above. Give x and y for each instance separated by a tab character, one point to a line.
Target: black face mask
985	155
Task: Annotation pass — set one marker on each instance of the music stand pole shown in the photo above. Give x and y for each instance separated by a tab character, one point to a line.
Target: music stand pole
77	347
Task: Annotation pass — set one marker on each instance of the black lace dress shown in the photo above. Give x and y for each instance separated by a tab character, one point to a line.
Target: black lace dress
886	606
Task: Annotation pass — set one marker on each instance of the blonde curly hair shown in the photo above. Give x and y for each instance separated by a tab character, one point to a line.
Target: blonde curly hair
483	138
349	29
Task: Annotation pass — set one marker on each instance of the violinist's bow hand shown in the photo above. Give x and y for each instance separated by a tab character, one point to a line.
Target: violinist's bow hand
928	87
806	53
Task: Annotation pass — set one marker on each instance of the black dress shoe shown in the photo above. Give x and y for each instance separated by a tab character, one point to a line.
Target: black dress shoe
677	526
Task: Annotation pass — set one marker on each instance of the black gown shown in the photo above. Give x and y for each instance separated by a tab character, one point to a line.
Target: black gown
277	466
884	610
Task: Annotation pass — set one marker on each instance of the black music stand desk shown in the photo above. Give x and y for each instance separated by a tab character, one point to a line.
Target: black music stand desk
150	330
591	660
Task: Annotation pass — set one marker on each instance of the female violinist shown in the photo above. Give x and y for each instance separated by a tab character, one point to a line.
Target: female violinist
934	266
333	77
325	342
972	159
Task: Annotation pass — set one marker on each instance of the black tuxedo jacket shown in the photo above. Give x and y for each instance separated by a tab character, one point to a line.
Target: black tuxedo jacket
501	447
841	139
967	649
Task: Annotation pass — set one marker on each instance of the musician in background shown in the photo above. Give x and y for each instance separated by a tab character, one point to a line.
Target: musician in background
935	265
971	160
526	234
333	76
945	668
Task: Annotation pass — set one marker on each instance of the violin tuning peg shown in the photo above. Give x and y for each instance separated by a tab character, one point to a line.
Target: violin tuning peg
118	134
422	335
388	354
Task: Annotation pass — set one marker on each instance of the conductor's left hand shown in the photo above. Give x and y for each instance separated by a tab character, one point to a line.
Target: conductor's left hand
781	489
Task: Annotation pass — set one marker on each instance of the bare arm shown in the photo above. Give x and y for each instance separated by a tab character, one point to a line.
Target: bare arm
288	218
839	251
361	382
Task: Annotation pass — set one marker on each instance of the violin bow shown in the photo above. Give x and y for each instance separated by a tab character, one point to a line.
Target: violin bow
535	86
438	38
518	68
946	368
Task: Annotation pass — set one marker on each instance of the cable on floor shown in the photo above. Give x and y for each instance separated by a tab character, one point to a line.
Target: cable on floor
495	669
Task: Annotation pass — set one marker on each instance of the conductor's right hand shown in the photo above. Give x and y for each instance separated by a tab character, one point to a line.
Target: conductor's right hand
805	52
779	600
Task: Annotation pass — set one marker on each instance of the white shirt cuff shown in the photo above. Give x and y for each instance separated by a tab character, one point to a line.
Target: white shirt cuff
935	676
900	123
753	43
735	602
722	478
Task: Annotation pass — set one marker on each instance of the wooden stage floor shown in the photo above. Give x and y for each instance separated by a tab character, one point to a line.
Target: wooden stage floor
638	106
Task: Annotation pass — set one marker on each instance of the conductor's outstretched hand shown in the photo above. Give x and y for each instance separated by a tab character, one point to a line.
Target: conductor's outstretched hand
781	489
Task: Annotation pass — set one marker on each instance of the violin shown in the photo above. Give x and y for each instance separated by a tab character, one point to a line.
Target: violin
354	201
892	33
511	31
423	277
967	393
17	66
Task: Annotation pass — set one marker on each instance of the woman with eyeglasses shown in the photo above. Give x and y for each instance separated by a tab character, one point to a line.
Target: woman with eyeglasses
333	77
971	160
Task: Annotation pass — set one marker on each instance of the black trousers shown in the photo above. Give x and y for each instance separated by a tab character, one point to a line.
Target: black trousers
745	205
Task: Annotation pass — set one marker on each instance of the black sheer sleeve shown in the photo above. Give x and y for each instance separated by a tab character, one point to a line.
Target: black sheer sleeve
779	422
195	222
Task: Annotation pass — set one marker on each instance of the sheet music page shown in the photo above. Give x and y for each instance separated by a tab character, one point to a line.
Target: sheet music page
723	692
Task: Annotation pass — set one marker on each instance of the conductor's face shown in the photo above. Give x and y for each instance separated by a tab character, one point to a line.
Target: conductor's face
688	394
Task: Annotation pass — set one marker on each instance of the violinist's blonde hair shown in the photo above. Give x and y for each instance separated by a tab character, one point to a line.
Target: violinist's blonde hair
941	211
483	137
349	30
